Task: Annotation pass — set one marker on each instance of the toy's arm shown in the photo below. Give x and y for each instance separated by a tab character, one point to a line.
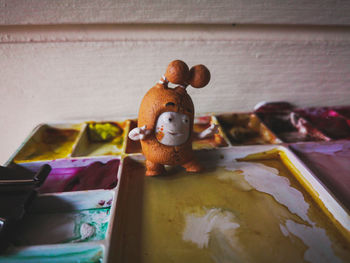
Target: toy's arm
210	131
139	133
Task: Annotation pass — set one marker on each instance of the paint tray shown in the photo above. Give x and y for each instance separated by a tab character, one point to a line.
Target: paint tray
246	129
253	204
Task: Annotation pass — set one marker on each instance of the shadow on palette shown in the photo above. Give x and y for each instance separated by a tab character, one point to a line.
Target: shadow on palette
249	200
63	229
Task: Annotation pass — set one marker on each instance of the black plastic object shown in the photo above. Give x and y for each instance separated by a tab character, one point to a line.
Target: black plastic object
17	190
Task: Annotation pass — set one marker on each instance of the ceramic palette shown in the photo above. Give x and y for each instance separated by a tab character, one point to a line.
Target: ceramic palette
254	203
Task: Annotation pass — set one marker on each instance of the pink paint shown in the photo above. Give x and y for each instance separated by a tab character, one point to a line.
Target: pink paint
330	162
328	121
97	175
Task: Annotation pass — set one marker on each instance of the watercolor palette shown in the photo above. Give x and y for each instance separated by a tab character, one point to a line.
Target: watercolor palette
255	202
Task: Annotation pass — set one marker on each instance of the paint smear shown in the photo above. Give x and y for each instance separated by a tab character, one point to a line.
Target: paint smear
47	144
315	238
266	179
97	175
198	228
69	227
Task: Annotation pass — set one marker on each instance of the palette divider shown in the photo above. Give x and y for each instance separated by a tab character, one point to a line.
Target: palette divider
214	120
110	255
262	127
321	194
78	139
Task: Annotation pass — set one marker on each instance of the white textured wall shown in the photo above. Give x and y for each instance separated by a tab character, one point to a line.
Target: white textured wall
62	72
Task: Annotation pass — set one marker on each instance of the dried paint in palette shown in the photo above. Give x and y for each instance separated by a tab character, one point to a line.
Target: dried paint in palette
64	227
245	129
240	210
329	161
79	174
328	121
217	140
289	127
101	138
49	142
57	254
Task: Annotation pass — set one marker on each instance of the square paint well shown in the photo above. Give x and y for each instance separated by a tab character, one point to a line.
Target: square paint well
102	138
78	174
246	129
49	142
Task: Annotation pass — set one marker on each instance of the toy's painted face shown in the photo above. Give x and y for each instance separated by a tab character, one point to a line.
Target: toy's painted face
172	128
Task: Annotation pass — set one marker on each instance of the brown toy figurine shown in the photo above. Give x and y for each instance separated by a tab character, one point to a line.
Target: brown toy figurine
165	122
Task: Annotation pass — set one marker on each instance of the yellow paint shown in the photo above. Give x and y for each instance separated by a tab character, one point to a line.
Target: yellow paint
160	205
87	147
48	143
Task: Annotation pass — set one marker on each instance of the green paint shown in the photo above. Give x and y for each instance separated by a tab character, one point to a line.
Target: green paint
55	254
106	131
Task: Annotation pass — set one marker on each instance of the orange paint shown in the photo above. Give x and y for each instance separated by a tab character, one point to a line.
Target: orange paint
160	135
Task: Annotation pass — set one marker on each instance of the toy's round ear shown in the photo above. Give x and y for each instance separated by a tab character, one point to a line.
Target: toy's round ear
199	76
177	72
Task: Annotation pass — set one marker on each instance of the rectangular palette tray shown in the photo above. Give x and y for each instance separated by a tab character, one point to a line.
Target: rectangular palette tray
250	200
80	200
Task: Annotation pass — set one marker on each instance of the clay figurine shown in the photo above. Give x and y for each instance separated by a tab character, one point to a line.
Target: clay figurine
165	121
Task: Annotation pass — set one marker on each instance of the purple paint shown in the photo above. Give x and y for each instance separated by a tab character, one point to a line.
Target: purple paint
330	162
328	121
96	175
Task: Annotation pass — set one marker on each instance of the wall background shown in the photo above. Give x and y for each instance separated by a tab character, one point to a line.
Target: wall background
63	61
